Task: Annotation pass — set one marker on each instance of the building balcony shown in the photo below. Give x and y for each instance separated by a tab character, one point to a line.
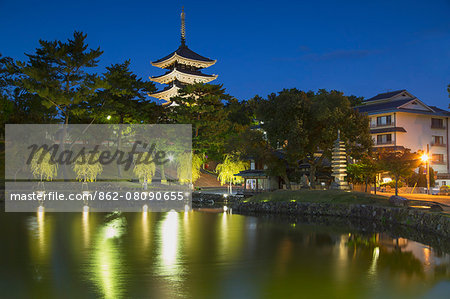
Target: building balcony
438	162
438	144
438	127
385	143
382	125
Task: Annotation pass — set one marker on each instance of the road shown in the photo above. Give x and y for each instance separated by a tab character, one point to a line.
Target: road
442	199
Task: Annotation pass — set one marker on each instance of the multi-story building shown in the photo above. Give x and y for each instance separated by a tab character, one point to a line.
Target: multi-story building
400	120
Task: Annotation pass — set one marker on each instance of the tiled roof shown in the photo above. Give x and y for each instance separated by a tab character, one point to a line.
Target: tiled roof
387	130
385	95
395	104
188	72
185	52
252	173
382	106
439	110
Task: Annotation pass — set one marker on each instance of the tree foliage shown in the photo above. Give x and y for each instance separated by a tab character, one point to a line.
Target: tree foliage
364	171
124	100
86	170
213	115
304	125
145	171
42	166
228	169
399	163
58	72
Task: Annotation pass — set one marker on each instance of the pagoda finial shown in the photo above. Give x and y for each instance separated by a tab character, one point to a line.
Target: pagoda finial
339	134
183	28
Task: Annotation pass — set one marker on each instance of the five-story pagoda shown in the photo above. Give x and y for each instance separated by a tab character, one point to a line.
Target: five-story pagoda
183	67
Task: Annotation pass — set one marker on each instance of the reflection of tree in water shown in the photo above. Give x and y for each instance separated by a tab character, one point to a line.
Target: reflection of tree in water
392	257
400	261
362	241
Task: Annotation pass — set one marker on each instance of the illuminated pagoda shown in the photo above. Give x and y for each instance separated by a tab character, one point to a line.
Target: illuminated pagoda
339	164
183	67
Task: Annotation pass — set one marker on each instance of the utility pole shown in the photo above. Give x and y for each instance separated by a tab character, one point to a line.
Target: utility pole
428	169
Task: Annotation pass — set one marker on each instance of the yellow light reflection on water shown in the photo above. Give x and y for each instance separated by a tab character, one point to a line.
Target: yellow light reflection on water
145	231
373	266
168	262
169	241
107	266
86	230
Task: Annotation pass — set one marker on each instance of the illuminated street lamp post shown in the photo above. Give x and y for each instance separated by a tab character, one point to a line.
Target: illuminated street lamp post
425	158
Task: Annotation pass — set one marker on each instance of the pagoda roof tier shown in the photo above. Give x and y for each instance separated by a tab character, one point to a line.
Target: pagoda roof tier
184	76
184	55
167	93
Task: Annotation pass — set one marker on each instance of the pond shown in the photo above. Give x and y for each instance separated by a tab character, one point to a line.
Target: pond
208	255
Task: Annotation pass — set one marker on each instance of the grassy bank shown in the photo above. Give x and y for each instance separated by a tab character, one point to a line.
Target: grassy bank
321	196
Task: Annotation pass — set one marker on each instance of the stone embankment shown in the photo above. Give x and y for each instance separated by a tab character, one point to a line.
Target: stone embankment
434	222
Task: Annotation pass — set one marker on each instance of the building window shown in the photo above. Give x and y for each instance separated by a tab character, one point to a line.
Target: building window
384	139
438	158
437	123
444	183
438	140
384	120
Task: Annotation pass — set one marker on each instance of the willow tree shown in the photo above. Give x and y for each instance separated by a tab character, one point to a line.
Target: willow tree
188	167
228	169
145	171
87	167
42	166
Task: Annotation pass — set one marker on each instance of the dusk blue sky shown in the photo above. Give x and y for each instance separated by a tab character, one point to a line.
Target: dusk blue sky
359	47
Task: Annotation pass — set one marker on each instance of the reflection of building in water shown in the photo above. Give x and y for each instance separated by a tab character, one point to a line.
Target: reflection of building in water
391	243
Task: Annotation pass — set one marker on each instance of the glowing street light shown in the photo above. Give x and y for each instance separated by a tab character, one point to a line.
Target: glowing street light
108	117
424	158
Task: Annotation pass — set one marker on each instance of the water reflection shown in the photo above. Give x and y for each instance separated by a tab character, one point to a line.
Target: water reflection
107	266
196	254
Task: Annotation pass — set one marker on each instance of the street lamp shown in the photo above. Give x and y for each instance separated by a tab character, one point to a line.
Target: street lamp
108	117
425	159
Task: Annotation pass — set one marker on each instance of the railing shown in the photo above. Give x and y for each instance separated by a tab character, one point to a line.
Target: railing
438	144
384	143
438	126
382	125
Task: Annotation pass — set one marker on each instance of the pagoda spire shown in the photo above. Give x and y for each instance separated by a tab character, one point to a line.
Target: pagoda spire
183	68
183	28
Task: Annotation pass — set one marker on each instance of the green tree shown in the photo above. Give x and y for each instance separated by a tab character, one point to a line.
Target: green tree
363	172
124	101
448	89
419	178
203	106
58	72
304	125
17	105
399	164
228	169
42	166
145	171
87	172
188	167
